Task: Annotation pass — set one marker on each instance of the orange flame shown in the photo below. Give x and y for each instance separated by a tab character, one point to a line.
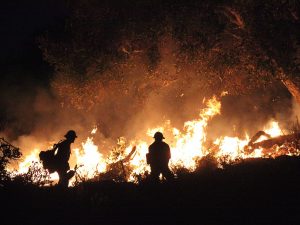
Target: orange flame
186	146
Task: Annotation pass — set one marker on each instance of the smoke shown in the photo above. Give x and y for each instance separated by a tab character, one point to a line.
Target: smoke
248	114
294	118
130	98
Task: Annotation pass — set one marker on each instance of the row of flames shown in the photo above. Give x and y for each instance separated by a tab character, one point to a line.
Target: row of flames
187	147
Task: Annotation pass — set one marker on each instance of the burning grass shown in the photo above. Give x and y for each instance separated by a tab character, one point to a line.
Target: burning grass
189	148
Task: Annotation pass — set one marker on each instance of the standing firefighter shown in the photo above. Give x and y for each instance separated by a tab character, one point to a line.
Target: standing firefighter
62	157
158	158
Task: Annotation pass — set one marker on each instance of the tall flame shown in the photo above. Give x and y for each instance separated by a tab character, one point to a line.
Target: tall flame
89	159
187	145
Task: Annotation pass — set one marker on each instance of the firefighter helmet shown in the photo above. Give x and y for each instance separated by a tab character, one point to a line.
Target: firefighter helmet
71	134
158	135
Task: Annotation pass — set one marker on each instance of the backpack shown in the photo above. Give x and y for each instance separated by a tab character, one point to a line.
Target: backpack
48	159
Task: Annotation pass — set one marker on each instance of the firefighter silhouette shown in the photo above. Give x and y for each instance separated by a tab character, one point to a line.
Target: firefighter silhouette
158	158
62	159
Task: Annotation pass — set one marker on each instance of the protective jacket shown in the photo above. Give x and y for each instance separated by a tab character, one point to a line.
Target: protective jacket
159	153
63	155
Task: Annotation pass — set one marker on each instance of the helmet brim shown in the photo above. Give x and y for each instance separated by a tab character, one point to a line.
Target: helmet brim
159	137
70	136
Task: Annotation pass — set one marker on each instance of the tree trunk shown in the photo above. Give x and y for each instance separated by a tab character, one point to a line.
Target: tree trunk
293	88
280	140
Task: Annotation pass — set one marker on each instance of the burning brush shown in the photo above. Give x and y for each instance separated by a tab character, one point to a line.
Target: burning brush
187	147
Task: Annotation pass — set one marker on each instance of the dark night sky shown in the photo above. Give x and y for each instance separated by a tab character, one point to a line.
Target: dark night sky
22	23
23	70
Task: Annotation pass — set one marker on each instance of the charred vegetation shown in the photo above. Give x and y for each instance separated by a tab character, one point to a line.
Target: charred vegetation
255	190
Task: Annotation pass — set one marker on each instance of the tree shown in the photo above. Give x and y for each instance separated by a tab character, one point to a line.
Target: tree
117	48
7	153
273	25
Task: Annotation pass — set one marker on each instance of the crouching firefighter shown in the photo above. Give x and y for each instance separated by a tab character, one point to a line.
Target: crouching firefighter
158	158
57	159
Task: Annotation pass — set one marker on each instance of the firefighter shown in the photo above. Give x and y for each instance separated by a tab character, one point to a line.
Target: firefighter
158	158
62	158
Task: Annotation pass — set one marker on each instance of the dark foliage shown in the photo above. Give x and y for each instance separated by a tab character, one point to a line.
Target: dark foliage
35	176
132	49
256	191
99	34
8	152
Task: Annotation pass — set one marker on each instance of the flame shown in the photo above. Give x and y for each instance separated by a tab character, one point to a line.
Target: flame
89	159
27	162
94	130
189	143
231	146
273	129
187	146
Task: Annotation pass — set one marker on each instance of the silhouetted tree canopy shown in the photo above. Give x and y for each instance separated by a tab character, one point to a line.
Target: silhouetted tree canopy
233	46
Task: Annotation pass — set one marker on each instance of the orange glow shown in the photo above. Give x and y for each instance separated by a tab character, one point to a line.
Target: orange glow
89	159
187	146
